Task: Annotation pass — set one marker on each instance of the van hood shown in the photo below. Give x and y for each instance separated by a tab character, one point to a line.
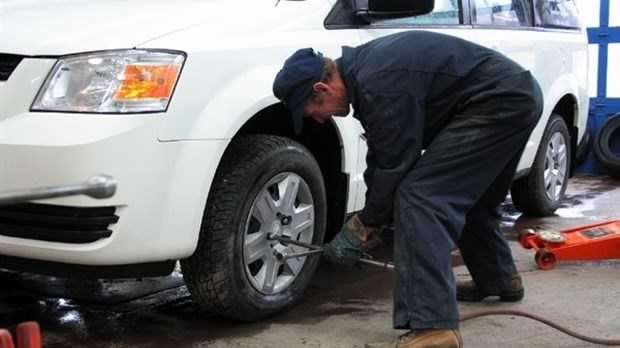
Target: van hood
57	27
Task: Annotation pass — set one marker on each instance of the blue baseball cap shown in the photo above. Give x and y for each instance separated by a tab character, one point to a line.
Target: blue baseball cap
293	84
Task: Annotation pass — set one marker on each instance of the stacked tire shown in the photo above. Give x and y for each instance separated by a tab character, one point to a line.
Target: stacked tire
606	139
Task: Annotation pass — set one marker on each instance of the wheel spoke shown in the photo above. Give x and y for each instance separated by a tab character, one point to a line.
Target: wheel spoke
561	175
270	275
289	187
559	141
562	155
265	207
549	159
303	221
548	177
293	266
255	246
554	187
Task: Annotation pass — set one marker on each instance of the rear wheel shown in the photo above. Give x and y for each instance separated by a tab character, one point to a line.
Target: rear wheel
266	185
541	191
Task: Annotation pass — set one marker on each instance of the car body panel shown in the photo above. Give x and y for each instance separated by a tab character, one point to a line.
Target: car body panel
58	27
165	162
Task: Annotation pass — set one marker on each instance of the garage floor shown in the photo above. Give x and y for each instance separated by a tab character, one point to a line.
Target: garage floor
343	307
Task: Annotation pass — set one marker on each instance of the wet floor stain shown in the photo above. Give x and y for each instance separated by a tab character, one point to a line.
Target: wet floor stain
169	318
170	322
583	203
159	312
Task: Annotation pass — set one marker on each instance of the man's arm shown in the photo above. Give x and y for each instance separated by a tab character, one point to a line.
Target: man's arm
371	164
394	124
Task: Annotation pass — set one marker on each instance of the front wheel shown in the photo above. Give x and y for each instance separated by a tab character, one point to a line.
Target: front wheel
541	191
266	186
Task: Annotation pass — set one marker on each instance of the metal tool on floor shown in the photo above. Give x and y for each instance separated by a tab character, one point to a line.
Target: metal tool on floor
600	241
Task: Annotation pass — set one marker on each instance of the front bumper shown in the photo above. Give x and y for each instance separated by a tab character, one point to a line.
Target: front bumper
162	186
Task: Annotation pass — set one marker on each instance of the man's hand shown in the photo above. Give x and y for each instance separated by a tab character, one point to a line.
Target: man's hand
347	246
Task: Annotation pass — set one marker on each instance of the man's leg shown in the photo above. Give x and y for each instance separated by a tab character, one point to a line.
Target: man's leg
483	246
431	204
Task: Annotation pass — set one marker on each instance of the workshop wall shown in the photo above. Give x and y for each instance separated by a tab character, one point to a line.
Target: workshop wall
602	19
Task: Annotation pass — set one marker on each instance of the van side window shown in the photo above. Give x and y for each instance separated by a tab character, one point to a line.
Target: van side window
556	13
446	12
511	13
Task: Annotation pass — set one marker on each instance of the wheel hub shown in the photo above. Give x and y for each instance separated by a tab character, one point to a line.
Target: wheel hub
285	220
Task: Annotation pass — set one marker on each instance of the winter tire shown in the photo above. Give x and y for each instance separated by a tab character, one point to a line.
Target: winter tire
602	147
266	185
541	191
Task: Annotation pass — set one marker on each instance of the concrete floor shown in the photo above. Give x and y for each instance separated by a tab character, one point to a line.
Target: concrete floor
342	308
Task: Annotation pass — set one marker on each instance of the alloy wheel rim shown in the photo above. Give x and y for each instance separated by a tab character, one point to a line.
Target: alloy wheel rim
283	207
556	166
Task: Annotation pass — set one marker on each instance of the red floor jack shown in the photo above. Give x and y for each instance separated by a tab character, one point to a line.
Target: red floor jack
600	241
28	334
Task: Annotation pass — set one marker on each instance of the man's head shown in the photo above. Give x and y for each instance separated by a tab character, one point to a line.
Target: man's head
310	86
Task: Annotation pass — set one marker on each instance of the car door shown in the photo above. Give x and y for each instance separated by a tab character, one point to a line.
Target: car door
542	36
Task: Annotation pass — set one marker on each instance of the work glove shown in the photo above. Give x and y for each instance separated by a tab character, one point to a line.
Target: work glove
349	244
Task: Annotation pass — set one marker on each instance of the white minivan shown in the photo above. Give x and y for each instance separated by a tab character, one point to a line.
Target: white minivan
173	100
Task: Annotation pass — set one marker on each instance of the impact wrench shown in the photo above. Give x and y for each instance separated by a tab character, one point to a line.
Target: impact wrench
367	259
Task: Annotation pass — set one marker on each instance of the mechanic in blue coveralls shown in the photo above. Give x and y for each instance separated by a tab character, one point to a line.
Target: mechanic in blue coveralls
472	110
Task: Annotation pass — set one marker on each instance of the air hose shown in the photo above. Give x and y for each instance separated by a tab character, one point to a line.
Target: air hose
510	312
366	259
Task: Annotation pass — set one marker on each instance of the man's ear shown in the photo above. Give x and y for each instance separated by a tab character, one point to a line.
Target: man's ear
321	88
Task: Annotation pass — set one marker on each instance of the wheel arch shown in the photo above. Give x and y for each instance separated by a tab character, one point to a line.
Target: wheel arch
568	108
325	142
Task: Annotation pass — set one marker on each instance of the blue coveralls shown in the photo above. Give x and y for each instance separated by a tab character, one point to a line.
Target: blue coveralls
472	110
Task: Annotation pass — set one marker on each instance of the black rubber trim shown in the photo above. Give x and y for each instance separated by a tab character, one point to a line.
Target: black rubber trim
54	223
521	173
8	63
584	147
152	269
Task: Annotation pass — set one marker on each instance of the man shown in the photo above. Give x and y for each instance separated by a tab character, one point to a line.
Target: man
472	110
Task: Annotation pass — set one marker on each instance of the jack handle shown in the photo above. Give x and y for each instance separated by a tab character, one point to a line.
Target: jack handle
316	249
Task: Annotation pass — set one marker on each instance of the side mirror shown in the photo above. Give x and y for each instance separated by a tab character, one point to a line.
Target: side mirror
392	8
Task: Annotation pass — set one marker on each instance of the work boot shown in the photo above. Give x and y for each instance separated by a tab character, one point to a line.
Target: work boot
468	291
429	338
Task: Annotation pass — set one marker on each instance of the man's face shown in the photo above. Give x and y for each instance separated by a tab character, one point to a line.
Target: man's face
329	100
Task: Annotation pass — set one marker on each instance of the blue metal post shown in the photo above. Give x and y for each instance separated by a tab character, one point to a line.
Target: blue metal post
601	107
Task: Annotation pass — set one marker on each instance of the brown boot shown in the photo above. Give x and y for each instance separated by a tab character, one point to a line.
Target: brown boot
429	338
468	291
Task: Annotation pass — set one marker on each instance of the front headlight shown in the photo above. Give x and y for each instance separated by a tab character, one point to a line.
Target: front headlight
127	81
